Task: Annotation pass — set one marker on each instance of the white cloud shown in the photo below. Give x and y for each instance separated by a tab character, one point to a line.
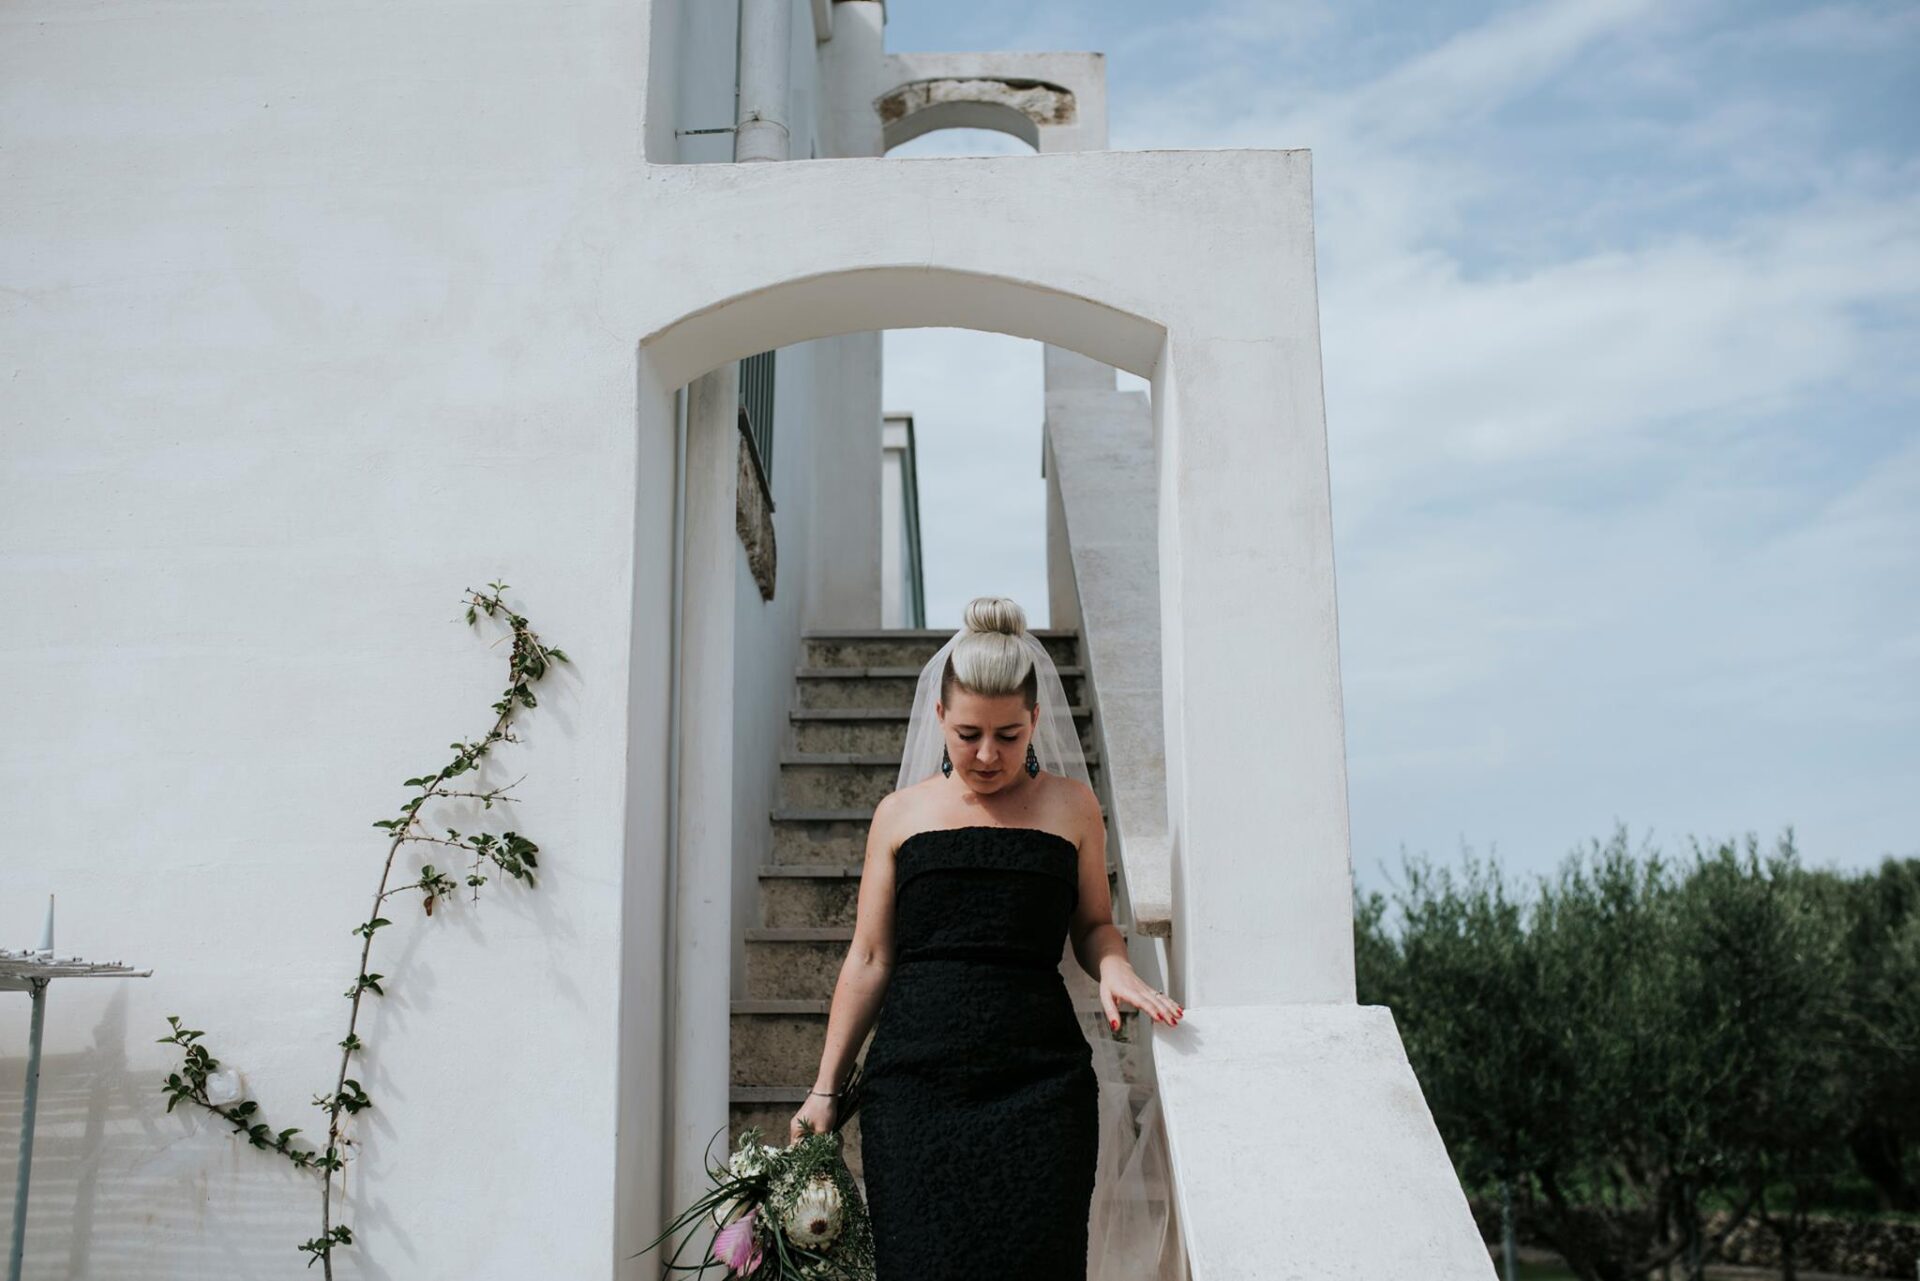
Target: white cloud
1614	355
1618	343
1846	28
1465	79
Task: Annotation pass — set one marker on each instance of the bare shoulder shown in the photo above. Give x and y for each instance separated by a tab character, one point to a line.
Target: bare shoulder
886	817
894	818
1079	804
1081	795
1072	794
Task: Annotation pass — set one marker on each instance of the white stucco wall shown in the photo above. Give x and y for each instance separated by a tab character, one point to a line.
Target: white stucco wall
307	332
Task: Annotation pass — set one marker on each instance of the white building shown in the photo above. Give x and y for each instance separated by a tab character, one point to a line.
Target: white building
319	315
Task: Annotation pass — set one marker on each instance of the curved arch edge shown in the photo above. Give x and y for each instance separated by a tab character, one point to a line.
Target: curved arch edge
900	296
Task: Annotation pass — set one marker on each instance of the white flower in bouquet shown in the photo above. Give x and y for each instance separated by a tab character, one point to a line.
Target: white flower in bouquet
752	1160
813	1220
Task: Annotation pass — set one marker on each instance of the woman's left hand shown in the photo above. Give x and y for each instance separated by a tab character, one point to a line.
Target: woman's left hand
1118	982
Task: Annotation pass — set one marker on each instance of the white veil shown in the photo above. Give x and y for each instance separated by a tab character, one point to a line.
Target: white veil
1056	739
1129	1234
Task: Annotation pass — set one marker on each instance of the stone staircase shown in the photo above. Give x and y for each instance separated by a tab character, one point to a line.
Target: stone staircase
853	692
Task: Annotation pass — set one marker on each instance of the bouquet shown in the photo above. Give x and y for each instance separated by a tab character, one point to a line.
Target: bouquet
784	1214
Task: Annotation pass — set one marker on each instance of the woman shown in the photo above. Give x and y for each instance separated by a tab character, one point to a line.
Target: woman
979	1116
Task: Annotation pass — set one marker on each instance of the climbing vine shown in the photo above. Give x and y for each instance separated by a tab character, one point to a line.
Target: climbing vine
509	852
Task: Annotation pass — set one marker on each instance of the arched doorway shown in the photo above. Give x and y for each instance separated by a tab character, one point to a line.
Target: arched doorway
1210	298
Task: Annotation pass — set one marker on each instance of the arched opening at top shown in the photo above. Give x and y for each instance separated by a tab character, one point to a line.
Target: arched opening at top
1004	104
962	139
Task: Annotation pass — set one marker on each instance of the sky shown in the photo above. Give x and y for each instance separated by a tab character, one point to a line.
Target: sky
1620	324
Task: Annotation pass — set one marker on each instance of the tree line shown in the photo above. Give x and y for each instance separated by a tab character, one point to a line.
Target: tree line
1636	1040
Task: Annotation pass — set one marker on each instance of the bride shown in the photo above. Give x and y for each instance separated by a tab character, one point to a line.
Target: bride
982	1117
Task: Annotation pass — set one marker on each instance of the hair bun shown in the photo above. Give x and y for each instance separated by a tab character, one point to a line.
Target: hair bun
995	614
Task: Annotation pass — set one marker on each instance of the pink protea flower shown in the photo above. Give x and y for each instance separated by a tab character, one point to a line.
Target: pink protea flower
735	1246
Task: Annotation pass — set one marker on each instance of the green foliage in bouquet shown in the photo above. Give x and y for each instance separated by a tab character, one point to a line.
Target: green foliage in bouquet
784	1214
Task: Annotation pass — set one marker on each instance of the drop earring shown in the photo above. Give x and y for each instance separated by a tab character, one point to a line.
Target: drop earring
946	764
1033	762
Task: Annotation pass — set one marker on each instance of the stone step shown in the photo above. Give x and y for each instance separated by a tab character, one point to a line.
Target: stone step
887	687
910	646
788	962
778	1042
849	780
784	1006
795	960
878	729
771	1107
818	893
824	835
816	835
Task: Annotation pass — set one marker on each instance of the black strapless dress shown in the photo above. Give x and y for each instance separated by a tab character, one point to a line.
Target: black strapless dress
979	1121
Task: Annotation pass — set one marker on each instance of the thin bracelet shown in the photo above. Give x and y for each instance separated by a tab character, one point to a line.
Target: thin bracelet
824	1094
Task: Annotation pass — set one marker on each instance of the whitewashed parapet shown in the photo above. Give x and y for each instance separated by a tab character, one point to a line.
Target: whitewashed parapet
1302	1147
1100	454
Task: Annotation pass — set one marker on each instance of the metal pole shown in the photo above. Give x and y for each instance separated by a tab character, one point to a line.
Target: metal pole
670	872
1506	1231
38	989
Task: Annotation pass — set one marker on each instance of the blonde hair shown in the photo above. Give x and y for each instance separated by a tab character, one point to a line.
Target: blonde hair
989	658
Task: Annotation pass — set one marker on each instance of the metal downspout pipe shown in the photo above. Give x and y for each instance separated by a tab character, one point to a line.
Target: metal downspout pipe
764	33
766	47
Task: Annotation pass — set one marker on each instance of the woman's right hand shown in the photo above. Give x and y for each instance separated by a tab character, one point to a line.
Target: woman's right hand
818	1110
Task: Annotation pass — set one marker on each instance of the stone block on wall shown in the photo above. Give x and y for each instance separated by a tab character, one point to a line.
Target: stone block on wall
753	521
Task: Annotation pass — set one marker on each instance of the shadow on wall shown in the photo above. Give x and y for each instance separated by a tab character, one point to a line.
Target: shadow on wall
122	1188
